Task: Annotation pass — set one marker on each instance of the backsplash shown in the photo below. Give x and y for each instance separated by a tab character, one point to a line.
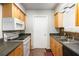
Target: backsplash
72	34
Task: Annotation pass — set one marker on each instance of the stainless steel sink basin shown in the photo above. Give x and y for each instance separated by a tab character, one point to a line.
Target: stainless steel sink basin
60	37
63	39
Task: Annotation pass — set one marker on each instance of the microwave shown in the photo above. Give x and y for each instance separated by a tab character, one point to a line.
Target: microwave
10	24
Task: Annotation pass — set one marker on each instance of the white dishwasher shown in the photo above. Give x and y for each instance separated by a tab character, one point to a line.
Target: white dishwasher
26	46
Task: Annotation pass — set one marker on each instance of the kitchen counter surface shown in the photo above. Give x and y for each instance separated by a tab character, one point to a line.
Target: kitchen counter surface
74	46
7	47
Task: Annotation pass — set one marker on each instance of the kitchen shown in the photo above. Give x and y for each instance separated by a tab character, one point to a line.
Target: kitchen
39	29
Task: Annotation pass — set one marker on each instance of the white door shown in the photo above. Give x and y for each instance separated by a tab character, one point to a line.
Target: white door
40	32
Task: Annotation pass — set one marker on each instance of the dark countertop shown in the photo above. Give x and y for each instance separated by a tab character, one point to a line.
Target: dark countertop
72	46
7	47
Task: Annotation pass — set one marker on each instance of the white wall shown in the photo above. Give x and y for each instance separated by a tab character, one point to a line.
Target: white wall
69	18
29	19
0	21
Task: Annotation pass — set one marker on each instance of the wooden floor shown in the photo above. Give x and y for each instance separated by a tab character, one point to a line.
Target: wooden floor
40	52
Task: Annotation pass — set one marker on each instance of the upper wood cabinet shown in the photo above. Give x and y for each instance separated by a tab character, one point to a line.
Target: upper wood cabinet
77	14
7	10
58	19
11	10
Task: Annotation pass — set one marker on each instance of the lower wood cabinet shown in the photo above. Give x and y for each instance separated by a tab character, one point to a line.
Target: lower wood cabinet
56	47
18	51
12	53
59	49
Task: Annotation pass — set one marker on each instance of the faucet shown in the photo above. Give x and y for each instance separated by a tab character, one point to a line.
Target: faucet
73	38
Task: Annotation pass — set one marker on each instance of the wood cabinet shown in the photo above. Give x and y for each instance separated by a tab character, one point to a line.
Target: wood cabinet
56	47
77	14
58	19
52	45
59	49
12	53
18	51
11	10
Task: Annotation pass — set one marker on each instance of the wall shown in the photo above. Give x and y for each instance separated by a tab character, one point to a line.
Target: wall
29	19
69	18
1	21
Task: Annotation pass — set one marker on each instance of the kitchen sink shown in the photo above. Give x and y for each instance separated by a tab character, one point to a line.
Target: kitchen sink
65	40
60	37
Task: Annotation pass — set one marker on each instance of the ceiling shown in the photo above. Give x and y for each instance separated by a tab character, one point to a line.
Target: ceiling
39	6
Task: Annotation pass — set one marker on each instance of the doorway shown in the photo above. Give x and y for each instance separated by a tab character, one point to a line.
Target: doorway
40	32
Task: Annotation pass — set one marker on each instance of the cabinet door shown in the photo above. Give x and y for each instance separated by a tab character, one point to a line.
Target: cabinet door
12	53
51	43
60	19
19	14
17	51
58	49
14	11
21	50
54	47
24	17
56	20
7	10
77	14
